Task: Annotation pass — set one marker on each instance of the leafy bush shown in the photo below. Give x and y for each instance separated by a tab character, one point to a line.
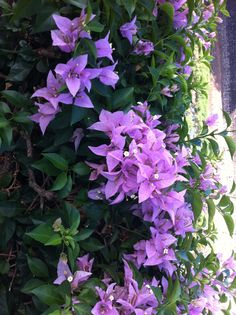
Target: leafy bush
106	201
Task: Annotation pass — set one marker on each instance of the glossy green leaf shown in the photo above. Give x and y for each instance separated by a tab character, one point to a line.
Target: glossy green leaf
38	267
59	182
48	294
231	145
41	233
58	161
230	223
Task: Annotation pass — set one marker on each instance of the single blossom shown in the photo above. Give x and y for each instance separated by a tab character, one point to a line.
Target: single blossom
46	113
104	48
144	48
211	120
83	263
77	77
107	75
77	137
64	274
52	92
83	100
69	31
129	29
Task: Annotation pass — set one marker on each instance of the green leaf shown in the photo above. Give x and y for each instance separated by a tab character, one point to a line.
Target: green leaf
48	294
73	217
59	182
3	122
91	245
54	240
6	134
174	293
82	309
224	201
4	108
191	4
81	169
215	147
42	233
46	167
84	234
196	201
30	285
122	97
231	145
78	114
230	223
38	267
95	26
22	117
129	6
25	8
58	161
4	266
211	211
9	209
227	118
15	98
168	9
82	4
65	191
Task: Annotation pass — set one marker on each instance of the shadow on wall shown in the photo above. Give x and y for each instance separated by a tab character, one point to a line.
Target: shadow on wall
224	65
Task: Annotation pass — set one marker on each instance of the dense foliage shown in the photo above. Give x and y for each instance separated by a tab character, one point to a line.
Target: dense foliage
107	199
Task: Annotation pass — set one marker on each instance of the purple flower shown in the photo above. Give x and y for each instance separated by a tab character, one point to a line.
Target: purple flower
180	19
107	75
51	92
46	113
166	91
104	48
77	137
105	305
104	308
144	48
187	71
129	29
69	31
184	220
211	120
83	263
82	100
76	76
64	274
208	12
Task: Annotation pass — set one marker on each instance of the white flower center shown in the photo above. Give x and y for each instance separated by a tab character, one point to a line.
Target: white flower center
70	279
111	298
165	251
135	151
156	176
126	153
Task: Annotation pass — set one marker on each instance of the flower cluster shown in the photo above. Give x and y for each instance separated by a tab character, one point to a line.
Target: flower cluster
137	161
128	299
139	165
71	82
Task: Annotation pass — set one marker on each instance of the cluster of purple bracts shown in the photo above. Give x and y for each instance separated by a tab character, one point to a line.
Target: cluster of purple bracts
139	165
131	298
71	82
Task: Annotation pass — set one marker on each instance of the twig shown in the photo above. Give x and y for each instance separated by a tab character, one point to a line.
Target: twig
32	181
43	52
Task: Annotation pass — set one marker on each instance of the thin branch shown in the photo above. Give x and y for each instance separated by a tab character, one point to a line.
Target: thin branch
49	195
